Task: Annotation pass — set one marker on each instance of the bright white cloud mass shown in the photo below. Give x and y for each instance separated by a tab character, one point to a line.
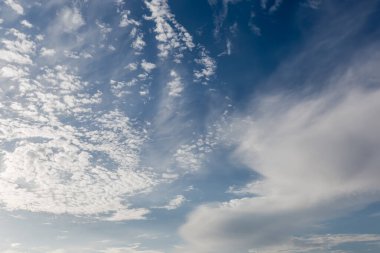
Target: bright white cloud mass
127	126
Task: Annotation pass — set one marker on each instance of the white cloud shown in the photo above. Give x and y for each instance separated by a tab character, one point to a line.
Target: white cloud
147	66
104	28
208	68
126	21
26	23
58	251
13	57
131	249
20	42
85	165
190	157
70	19
317	158
138	43
175	86
40	37
47	51
12	72
15	6
18	48
276	5
175	203
132	66
221	15
320	243
128	214
174	41
169	33
229	46
15	244
122	88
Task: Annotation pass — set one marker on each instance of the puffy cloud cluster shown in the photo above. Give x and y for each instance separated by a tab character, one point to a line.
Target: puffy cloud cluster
61	156
59	153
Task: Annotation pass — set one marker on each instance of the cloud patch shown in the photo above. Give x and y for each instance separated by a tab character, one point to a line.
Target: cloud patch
317	158
14	5
70	19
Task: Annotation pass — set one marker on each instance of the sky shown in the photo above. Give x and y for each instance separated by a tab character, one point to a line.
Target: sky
178	126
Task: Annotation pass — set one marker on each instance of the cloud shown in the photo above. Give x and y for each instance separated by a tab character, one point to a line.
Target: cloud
174	41
12	72
253	26
132	249
126	21
276	5
17	48
208	68
316	155
321	243
69	144
138	43
147	66
222	14
228	46
104	28
131	66
57	167
169	33
47	51
70	19
26	23
175	203
15	6
190	156
175	86
128	214
324	142
13	57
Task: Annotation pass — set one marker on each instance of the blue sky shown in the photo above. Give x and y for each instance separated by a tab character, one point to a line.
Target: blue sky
152	126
